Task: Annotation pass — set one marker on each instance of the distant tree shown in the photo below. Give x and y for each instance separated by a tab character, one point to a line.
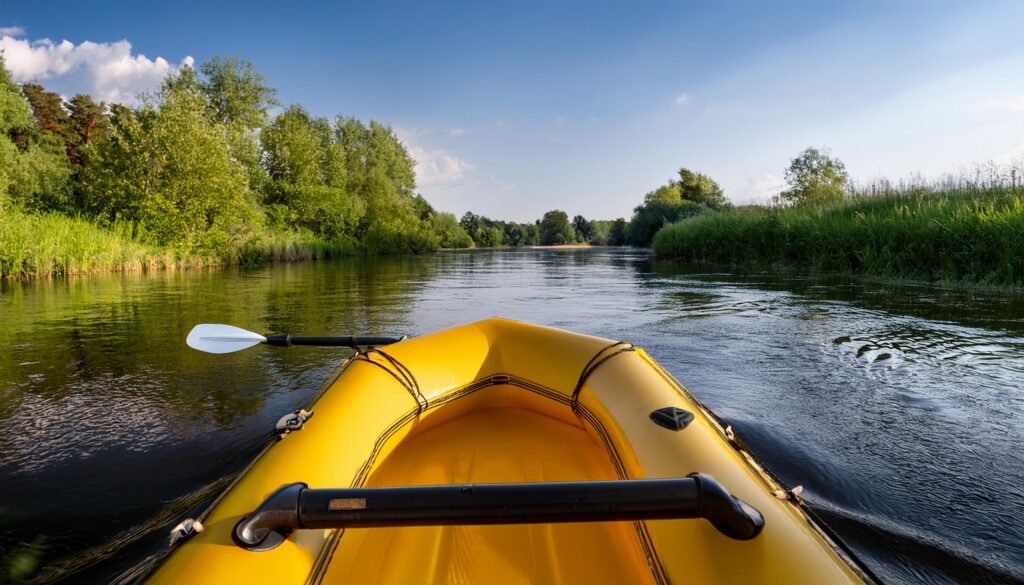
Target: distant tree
583	229
555	229
700	188
515	234
470	222
617	233
661	207
815	178
237	95
48	110
600	232
490	237
449	231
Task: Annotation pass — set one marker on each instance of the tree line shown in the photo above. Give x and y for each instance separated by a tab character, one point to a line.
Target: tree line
201	166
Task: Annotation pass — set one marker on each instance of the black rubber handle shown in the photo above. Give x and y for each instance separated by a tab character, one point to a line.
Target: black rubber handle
295	506
286	340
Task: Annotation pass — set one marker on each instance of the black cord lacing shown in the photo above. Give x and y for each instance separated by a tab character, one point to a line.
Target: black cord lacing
593	364
400	373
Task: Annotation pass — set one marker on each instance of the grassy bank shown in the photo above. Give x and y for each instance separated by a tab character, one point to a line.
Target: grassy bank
47	244
948	232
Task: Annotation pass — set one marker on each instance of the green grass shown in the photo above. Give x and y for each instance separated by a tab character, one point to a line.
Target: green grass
958	230
52	244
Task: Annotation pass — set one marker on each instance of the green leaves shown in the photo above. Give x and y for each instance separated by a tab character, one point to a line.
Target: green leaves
815	178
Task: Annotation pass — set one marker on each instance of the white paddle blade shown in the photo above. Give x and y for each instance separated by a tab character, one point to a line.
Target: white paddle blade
213	338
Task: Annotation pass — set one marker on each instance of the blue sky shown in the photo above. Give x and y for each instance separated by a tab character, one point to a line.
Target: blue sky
515	108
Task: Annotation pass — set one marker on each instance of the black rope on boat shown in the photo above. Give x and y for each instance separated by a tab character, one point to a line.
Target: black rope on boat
595	363
401	373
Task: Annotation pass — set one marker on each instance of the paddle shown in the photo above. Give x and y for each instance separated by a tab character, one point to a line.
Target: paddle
213	338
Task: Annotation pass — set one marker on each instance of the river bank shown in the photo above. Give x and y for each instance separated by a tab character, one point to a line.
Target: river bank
956	236
52	244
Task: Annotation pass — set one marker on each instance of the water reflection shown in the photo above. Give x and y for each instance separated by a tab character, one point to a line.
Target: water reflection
897	407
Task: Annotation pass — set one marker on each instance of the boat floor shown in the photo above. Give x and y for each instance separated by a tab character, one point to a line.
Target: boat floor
492	442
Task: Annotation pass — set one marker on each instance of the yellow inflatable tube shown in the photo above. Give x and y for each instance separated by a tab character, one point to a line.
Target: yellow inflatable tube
500	401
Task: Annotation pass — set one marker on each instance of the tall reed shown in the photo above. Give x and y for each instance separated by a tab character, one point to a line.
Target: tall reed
959	228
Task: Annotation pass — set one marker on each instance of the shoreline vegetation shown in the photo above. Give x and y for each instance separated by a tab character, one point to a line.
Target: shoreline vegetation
966	229
201	174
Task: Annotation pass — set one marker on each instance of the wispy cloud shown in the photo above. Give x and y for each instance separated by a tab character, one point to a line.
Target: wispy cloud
438	167
560	121
682	99
1013	104
107	71
759	189
11	31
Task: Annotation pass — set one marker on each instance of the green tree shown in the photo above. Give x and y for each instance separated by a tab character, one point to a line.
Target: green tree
583	229
240	100
167	168
490	237
815	178
33	166
661	207
700	188
600	232
555	229
617	235
449	231
515	234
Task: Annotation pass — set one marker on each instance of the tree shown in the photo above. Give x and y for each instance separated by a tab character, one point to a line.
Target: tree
515	234
237	95
449	231
34	169
167	169
297	149
700	188
617	234
583	229
555	229
661	207
601	229
815	178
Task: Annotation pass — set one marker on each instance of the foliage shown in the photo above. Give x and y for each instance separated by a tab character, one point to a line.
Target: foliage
583	229
692	194
166	168
618	234
555	229
451	233
951	231
700	188
815	178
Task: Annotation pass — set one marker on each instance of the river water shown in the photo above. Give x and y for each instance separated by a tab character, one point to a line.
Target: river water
899	408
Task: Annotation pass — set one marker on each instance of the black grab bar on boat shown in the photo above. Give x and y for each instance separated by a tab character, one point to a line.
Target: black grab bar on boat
295	506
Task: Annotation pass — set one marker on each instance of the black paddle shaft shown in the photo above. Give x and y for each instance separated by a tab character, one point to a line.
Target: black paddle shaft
287	339
296	506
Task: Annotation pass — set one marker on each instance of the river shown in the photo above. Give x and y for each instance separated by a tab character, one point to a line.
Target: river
899	408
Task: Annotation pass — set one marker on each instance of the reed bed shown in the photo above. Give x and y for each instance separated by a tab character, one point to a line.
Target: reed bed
958	229
52	244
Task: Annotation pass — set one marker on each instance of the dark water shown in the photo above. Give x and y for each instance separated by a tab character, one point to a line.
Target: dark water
898	408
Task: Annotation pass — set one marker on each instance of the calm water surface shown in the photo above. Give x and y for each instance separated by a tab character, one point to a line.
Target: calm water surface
900	409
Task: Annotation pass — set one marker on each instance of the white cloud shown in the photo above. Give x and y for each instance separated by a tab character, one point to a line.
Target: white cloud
759	189
107	71
438	167
457	132
11	31
1011	104
559	121
682	99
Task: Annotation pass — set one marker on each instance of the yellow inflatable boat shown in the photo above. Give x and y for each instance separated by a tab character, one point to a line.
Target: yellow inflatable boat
502	452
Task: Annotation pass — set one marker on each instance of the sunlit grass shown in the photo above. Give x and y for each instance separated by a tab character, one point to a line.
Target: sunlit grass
50	244
963	228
